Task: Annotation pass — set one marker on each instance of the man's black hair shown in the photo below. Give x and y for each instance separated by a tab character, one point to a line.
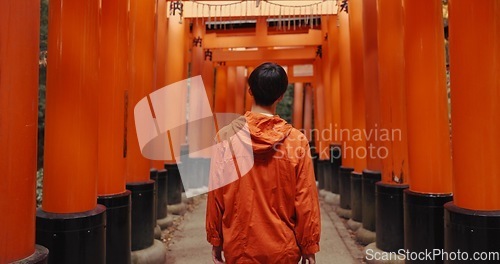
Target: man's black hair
268	82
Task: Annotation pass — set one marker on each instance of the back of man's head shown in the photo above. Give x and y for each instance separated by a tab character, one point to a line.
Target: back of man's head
268	82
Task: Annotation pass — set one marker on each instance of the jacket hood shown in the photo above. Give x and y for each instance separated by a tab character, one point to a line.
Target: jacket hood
266	131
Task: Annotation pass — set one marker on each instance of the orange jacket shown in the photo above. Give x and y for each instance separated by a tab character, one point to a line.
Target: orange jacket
270	214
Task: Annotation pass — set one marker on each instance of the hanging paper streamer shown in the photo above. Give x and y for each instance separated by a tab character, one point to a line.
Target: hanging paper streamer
285	17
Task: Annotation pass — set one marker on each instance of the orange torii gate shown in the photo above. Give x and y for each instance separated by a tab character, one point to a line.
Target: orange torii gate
19	39
395	174
428	125
473	218
113	87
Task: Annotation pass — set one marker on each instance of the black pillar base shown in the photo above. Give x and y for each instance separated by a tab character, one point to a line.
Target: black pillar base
118	224
327	174
321	174
41	256
161	194
356	197
368	192
471	231
336	162
423	221
174	184
143	216
153	175
73	237
345	187
389	216
184	160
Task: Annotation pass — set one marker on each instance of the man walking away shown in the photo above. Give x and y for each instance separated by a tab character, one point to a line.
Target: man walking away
270	214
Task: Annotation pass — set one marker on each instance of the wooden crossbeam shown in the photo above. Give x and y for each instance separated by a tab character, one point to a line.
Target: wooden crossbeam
255	63
312	38
307	53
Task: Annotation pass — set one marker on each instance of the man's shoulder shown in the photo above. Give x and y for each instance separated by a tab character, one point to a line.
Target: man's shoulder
297	135
229	130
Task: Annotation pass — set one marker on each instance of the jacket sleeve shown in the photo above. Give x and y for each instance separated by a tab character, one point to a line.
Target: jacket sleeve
215	205
308	219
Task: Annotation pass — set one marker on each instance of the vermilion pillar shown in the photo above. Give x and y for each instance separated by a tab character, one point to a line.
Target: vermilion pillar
320	144
358	95
220	105
472	219
326	81
197	59
240	90
298	105
71	113
141	83
475	108
18	130
197	62
389	192
375	153
426	98
334	106
231	89
187	58
158	172
221	90
327	131
177	47
334	58
70	158
208	76
198	165
112	87
429	149
318	108
308	108
371	85
204	67
187	46
392	90
141	60
160	62
358	108
308	122
176	71
345	82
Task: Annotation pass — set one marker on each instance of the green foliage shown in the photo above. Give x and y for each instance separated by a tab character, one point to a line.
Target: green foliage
41	124
44	14
284	108
39	187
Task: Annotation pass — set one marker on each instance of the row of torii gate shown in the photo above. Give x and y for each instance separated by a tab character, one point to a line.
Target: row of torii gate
371	66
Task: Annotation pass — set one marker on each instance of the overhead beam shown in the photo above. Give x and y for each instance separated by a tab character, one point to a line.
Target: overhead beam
255	63
312	38
265	54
